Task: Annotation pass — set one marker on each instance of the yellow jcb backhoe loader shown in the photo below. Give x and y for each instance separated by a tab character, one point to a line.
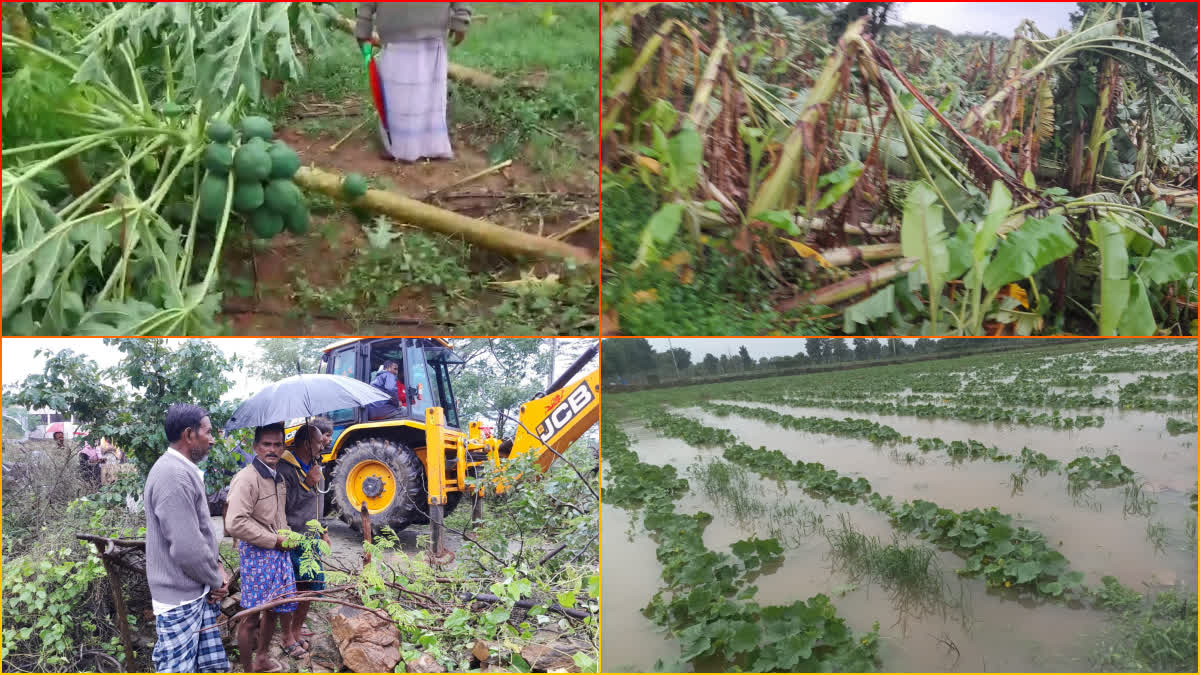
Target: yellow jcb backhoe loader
413	469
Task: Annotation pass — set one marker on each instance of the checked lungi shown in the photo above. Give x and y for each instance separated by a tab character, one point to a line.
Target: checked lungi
182	646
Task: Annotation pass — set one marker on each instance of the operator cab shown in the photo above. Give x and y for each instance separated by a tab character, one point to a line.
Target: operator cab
424	367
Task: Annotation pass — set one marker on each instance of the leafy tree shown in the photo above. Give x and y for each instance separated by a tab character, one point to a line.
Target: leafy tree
627	356
131	416
683	358
861	349
277	356
196	372
815	348
503	373
747	361
839	351
710	364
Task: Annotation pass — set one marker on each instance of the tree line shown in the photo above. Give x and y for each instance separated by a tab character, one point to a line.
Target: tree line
625	358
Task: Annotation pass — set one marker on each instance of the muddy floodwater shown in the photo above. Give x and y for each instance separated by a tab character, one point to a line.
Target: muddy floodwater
965	627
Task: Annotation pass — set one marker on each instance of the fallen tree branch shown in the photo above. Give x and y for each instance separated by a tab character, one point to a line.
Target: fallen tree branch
473	177
410	211
525	604
846	255
577	227
844	290
546	558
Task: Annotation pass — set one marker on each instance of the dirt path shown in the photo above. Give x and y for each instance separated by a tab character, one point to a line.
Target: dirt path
516	197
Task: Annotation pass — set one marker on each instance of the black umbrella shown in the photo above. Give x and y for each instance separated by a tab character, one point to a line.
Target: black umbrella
302	396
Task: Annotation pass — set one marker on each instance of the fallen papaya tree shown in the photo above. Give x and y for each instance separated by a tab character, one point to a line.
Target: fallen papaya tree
479	232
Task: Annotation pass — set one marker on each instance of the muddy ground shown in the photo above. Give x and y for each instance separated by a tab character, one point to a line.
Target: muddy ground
516	197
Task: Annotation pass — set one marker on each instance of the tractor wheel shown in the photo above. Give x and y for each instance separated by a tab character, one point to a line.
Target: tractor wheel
388	477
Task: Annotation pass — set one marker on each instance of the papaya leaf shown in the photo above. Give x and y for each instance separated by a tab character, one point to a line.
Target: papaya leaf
1037	243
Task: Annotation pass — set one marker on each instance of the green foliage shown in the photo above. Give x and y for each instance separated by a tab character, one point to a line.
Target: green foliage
913	570
390	265
1157	634
46	605
1176	427
705	602
1107	472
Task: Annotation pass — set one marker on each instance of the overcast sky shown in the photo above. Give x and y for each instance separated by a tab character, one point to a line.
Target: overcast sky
998	17
758	347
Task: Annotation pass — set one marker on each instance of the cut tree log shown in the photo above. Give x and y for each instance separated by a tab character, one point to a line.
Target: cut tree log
412	212
471	76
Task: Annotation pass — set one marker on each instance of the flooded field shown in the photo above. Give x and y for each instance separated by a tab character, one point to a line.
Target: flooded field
1139	530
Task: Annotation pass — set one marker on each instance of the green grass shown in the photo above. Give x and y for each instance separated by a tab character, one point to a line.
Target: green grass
1155	636
1157	532
551	127
911	570
719	299
731	488
1138	501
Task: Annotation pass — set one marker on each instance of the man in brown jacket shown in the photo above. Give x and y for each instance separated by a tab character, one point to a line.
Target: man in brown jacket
255	516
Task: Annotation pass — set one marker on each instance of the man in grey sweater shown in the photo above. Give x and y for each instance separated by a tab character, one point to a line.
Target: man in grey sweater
183	567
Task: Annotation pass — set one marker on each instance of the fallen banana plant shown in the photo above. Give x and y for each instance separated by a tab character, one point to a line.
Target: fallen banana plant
479	232
818	151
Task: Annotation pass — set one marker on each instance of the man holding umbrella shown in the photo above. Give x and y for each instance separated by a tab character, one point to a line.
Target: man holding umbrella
257	509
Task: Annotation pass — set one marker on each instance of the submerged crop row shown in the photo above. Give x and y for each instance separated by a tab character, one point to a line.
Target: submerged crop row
972	413
1082	470
985	539
706	600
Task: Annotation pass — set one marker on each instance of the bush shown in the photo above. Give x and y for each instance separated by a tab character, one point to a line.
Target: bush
40	480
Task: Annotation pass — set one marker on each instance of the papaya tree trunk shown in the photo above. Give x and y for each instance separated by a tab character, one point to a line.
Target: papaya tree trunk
412	212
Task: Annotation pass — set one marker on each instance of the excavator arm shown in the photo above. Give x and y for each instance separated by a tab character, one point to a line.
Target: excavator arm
548	424
558	418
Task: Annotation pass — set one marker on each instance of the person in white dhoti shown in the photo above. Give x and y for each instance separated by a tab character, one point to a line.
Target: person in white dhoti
408	76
